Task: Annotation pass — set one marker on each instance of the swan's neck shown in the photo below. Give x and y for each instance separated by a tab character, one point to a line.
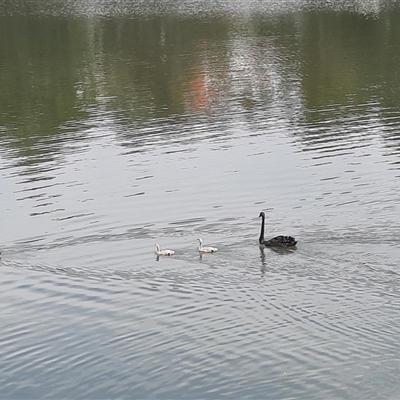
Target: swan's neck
262	229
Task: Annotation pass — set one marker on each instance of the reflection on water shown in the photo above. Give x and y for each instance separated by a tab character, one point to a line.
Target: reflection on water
121	132
186	7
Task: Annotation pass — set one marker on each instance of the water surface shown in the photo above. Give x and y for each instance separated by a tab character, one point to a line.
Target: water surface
124	125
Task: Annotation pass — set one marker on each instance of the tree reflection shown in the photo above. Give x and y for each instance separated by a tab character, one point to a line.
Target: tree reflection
303	67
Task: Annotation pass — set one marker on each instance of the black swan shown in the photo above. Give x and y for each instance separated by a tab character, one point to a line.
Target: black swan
277	241
206	249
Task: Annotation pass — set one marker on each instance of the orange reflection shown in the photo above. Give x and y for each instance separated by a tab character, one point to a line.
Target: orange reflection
199	91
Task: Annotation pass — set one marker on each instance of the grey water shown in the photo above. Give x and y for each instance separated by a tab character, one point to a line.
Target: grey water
124	124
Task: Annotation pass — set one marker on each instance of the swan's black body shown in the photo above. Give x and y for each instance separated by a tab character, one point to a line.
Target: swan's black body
277	241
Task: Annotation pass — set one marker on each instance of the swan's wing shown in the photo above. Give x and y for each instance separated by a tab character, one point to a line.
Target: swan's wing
281	241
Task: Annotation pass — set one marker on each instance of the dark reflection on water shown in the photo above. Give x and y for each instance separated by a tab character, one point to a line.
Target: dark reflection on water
124	124
172	69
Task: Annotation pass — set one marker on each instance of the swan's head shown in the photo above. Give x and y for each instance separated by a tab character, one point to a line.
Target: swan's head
157	247
262	214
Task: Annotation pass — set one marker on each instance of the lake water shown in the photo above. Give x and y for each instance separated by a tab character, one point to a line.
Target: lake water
124	124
